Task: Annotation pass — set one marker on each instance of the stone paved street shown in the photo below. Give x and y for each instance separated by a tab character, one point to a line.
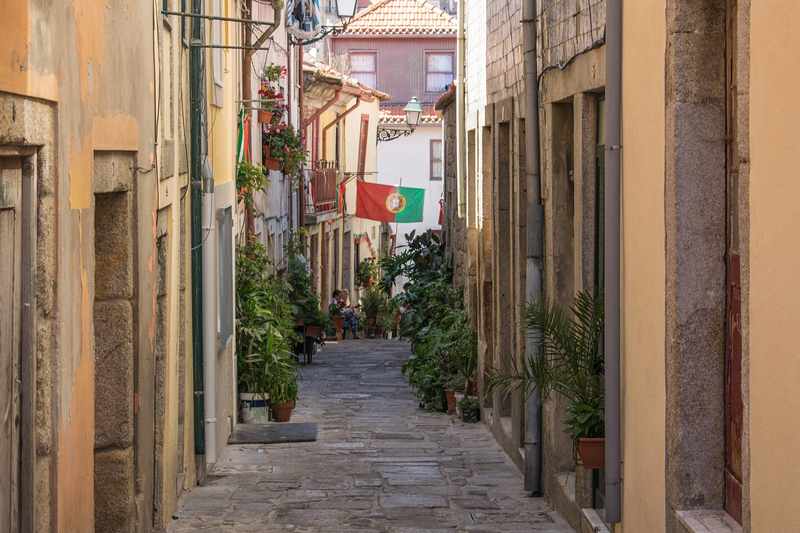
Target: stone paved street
380	464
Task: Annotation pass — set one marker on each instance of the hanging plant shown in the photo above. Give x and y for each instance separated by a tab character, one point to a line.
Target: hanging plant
249	178
286	146
273	72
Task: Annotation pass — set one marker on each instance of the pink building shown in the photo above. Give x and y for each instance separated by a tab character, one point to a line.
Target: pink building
405	48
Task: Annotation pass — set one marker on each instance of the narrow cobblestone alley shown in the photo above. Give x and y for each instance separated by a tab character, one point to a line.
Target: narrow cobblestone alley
380	464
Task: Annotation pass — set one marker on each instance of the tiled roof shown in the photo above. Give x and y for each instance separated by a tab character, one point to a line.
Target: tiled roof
326	73
394	119
394	18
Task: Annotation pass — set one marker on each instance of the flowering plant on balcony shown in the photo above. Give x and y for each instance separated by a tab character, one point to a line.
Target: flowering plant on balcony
270	102
285	145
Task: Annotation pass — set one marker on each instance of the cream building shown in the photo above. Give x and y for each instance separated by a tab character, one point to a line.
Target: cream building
340	117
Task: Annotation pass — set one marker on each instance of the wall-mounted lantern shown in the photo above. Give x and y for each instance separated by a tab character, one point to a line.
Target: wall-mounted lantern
413	112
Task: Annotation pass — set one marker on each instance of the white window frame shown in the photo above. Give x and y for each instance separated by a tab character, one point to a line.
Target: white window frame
452	72
374	54
216	39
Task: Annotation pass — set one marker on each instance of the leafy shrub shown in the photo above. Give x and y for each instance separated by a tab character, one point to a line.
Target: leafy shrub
433	319
470	409
264	326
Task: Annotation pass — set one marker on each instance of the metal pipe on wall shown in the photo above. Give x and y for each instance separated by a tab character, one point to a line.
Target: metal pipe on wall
209	318
461	123
613	148
197	84
535	229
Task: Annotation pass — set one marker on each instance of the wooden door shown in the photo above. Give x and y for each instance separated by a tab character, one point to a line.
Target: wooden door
10	322
734	401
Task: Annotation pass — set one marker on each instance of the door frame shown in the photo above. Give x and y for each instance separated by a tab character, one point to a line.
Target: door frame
27	351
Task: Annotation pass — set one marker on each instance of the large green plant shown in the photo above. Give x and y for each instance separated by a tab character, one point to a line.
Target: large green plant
433	319
374	302
304	300
367	272
264	324
570	362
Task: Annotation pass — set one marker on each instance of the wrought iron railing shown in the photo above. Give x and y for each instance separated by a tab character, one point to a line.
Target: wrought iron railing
321	179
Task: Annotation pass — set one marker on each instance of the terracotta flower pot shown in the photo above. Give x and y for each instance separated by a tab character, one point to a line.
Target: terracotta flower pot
264	117
592	451
273	164
451	401
282	412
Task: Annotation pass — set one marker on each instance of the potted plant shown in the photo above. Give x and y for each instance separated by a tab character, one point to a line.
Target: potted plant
249	179
264	329
453	385
373	302
282	387
285	146
570	363
367	272
470	409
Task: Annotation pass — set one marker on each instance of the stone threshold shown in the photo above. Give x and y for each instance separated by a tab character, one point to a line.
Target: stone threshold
592	521
707	521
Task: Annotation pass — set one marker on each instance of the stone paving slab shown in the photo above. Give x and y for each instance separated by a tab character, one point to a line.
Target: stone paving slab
380	464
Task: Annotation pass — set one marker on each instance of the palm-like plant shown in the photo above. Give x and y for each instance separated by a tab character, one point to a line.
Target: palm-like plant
570	362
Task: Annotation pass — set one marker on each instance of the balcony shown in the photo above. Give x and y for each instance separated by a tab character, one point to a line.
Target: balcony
321	198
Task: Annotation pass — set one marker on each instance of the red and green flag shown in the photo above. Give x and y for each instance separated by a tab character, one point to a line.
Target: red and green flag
388	203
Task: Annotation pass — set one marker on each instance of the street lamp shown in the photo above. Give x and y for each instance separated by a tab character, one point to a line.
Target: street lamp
346	9
413	111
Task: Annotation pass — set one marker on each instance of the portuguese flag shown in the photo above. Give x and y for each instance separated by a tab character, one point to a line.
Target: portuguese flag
388	203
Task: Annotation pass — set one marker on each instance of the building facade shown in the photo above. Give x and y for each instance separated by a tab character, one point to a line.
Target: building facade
406	48
340	118
102	322
704	372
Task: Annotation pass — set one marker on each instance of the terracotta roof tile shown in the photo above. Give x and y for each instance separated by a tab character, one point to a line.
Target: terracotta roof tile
394	18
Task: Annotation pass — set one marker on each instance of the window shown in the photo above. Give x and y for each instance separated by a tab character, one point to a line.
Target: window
364	68
225	289
216	39
436	159
438	71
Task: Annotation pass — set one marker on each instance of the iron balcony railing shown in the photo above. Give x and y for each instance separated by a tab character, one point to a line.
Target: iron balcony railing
321	181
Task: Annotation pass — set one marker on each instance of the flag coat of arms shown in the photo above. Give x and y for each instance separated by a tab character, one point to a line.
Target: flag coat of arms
388	203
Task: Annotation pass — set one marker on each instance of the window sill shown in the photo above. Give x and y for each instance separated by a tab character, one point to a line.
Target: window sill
707	521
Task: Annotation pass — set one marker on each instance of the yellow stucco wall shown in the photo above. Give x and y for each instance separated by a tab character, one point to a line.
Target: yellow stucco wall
643	275
774	265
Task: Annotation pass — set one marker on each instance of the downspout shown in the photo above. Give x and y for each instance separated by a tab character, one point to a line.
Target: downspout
535	230
209	318
197	84
461	125
613	147
301	196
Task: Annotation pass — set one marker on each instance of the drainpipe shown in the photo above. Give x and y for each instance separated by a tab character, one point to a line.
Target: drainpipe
535	229
613	148
461	124
209	318
197	84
